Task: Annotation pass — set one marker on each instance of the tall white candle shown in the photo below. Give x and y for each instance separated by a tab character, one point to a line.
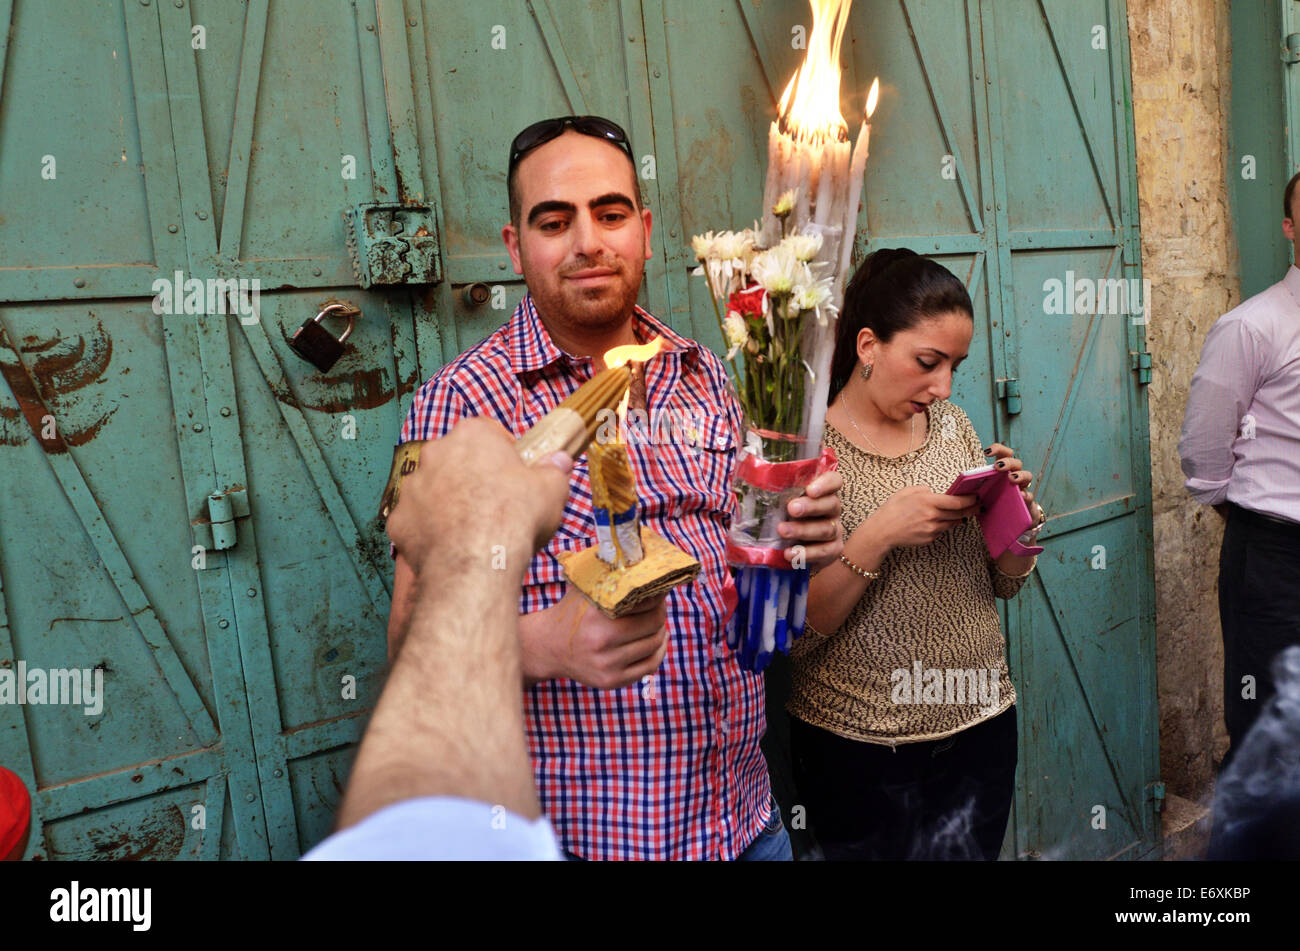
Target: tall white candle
856	171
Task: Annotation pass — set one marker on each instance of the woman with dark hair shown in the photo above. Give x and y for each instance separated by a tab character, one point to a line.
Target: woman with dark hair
904	727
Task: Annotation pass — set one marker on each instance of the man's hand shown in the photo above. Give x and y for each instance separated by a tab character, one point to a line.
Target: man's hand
472	493
816	531
573	639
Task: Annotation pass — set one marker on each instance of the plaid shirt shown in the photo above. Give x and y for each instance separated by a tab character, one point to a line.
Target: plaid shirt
668	768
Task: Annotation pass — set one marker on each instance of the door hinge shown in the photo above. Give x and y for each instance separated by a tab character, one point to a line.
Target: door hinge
1140	360
1291	49
1009	390
218	532
392	243
1157	796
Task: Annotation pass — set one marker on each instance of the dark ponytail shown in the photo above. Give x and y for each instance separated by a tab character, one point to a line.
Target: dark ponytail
893	289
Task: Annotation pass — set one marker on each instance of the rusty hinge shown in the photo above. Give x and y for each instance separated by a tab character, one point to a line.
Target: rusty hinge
1009	391
1157	796
218	532
1140	360
392	243
1291	49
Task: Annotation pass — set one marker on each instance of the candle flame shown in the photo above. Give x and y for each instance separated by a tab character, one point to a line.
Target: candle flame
873	97
810	105
640	354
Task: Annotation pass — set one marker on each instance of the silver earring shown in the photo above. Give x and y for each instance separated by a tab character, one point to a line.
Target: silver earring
866	371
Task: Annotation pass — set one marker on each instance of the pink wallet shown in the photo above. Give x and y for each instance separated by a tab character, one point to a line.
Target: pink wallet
1004	517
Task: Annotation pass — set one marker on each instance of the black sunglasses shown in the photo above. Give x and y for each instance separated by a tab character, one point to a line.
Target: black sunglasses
539	133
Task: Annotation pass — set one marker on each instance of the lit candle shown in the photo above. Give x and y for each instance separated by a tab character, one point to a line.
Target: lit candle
856	171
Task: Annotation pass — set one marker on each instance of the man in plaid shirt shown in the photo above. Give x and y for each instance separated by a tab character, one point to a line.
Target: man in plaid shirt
643	731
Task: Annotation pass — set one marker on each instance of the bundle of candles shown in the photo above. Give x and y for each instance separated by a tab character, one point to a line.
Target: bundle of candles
629	563
570	427
809	156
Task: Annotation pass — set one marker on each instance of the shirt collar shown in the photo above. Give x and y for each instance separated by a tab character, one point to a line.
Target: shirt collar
531	347
1292	281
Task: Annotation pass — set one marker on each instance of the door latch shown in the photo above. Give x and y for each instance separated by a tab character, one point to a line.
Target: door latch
392	243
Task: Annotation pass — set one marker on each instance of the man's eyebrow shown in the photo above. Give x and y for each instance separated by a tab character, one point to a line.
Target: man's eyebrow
612	198
543	207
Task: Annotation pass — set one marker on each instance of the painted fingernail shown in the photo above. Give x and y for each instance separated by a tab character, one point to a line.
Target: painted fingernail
1002	465
988	451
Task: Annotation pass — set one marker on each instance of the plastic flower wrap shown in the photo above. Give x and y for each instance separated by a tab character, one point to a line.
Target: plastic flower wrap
774	307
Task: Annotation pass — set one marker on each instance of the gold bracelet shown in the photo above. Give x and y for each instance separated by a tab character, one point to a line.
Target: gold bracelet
861	572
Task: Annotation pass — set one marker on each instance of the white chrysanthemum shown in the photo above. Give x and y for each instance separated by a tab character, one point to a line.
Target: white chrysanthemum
778	270
734	246
704	245
805	246
737	333
785	204
815	296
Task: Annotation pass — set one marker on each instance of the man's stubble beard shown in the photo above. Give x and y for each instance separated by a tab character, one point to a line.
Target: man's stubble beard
591	309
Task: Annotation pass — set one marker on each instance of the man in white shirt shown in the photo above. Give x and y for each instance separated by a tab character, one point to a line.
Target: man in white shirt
443	771
1240	451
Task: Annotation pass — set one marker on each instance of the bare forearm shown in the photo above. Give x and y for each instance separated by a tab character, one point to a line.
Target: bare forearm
450	722
1015	565
836	590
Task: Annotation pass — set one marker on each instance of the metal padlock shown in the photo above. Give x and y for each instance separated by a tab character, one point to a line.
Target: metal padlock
317	345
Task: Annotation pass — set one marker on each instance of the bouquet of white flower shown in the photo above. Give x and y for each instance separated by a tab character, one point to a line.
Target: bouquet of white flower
779	307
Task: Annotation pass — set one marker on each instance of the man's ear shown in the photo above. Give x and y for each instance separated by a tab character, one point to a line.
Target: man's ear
510	235
647	222
1288	229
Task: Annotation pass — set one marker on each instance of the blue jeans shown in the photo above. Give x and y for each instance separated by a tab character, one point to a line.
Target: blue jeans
772	844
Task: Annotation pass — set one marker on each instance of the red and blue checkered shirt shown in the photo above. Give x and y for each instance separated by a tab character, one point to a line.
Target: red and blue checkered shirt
668	768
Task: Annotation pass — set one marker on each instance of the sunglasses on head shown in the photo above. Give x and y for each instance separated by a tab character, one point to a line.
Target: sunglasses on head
539	133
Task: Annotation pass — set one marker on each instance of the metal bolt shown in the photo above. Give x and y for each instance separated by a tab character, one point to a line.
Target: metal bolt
410	22
79	282
501	265
656	74
225	411
144	3
370	27
279	772
223	624
172	228
672	233
316	271
250	797
252	592
180	3
197	427
203	216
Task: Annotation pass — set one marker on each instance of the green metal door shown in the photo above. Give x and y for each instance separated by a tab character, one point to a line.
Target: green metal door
1002	146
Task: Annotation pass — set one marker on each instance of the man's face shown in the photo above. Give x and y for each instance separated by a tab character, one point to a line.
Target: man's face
1289	226
581	244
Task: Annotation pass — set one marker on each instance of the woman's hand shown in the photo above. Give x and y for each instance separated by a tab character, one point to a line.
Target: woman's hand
1019	476
917	515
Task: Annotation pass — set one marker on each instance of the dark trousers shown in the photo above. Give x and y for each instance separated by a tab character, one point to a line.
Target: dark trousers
1259	609
939	800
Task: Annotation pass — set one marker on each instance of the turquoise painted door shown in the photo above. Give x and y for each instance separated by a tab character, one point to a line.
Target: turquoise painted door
1006	153
238	686
1003	147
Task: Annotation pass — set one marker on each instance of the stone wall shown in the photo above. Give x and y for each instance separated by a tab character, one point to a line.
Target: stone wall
1180	68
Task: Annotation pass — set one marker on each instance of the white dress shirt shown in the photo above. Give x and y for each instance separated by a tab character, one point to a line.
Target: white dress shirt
1241	430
